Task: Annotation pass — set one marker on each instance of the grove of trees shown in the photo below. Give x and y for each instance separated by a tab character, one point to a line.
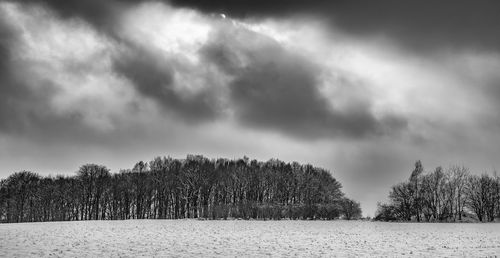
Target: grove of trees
443	195
167	188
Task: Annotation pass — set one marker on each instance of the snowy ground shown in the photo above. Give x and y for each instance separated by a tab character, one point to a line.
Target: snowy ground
192	238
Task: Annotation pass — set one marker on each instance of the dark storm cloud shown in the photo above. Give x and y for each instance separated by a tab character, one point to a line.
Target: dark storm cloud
99	13
153	77
418	25
276	89
249	8
150	74
25	101
8	90
22	108
18	103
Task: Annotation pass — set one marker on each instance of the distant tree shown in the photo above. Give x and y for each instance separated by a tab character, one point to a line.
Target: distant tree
491	199
93	180
401	198
20	190
497	193
385	212
476	195
4	197
437	204
195	187
350	209
443	196
415	181
459	175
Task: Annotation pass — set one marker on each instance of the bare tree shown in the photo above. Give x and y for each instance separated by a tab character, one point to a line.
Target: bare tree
195	187
481	196
401	198
459	175
350	209
440	196
415	180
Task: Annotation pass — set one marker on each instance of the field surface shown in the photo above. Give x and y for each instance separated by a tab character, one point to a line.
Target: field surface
236	238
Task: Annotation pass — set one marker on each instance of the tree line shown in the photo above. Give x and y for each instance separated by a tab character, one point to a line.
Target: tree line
443	195
167	188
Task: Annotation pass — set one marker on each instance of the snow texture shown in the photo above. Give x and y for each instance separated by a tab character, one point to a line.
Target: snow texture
237	238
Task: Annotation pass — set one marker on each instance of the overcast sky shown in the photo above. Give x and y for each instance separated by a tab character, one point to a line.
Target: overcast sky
363	89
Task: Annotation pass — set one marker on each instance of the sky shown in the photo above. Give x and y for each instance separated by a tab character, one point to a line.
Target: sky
362	89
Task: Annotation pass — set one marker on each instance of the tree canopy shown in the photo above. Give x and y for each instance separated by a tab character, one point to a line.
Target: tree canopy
167	188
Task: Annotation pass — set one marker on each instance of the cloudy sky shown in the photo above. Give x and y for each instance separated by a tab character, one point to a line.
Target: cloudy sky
363	89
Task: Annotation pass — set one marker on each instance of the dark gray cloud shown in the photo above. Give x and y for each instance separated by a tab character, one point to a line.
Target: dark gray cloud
27	104
424	26
8	90
153	76
25	100
419	26
416	24
23	109
251	8
274	88
101	14
18	103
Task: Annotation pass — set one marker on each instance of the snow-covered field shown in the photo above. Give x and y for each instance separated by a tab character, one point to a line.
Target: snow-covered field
193	238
